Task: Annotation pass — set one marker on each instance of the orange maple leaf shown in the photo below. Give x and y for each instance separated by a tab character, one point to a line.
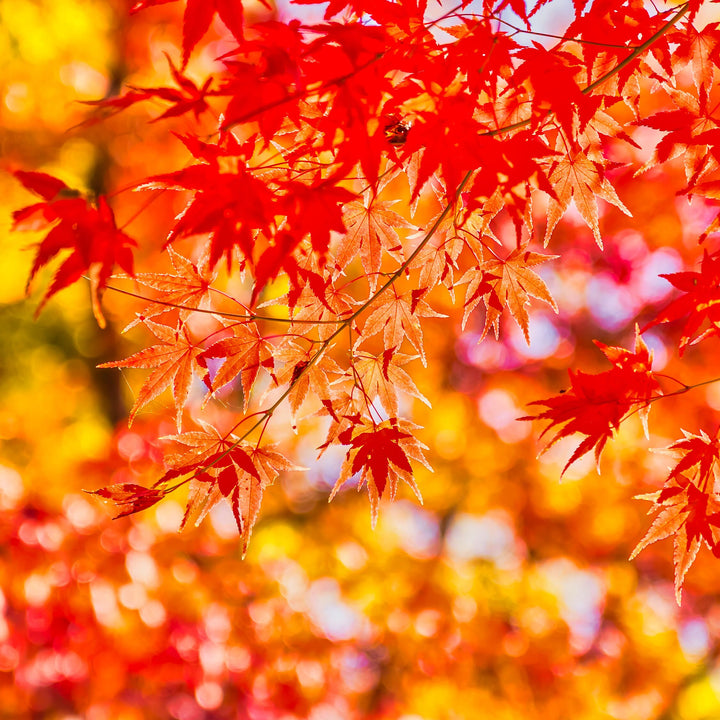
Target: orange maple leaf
184	291
688	513
224	467
244	354
172	366
382	376
506	283
129	497
398	317
371	229
575	176
297	372
324	308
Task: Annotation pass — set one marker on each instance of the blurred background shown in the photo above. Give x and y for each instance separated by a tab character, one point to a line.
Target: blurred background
508	594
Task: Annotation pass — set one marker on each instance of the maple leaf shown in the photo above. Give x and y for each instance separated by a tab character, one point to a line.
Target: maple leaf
199	14
244	354
507	283
371	228
302	371
314	210
228	206
381	453
184	291
222	466
129	497
382	376
479	288
437	261
596	404
575	176
690	132
352	59
552	75
196	446
608	28
172	366
602	125
277	257
454	148
235	477
268	463
265	79
322	304
188	98
698	452
700	302
398	317
218	465
688	513
344	410
696	48
74	224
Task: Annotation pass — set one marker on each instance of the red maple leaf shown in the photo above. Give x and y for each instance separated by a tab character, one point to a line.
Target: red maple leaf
699	303
230	207
187	97
698	456
198	16
553	76
381	453
596	404
89	231
690	132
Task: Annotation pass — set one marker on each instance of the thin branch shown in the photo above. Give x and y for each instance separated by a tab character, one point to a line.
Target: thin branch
562	38
221	313
640	48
